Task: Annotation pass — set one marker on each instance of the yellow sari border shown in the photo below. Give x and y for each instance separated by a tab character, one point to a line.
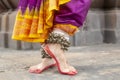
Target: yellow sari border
68	28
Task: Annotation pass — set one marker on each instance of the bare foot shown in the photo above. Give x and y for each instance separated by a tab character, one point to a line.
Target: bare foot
45	64
72	68
55	51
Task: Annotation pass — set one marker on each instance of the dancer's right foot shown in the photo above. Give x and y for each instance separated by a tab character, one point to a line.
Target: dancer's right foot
45	64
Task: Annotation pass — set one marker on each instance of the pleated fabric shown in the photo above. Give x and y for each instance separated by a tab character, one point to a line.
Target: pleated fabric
35	19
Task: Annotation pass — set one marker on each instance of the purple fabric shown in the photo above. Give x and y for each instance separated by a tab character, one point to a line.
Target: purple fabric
23	5
74	12
38	4
32	4
29	3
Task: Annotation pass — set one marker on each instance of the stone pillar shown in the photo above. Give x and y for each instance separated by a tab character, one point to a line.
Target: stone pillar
110	26
111	8
3	30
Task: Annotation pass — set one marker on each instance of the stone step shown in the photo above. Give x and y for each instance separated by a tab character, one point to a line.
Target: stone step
3	39
8	4
97	4
109	4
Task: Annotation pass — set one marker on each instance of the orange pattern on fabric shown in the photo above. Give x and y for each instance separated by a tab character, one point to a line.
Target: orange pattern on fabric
68	28
35	25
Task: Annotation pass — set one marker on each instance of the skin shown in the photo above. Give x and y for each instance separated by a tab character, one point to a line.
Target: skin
59	54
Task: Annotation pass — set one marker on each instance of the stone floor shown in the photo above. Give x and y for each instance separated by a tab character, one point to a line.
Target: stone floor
96	62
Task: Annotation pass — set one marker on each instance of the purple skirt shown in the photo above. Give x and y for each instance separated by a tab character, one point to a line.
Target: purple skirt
73	12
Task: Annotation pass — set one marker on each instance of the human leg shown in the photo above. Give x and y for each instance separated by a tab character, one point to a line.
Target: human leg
56	45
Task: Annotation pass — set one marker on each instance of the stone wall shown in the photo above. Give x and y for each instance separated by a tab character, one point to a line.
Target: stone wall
102	25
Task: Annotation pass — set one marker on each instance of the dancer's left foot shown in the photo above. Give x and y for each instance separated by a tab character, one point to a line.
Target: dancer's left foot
55	51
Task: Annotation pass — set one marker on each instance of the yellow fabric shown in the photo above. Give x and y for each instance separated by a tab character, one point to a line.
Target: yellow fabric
34	25
68	28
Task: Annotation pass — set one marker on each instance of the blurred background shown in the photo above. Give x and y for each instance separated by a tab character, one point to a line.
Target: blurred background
102	25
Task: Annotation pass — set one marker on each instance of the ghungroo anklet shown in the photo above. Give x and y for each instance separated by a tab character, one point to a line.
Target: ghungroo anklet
58	39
